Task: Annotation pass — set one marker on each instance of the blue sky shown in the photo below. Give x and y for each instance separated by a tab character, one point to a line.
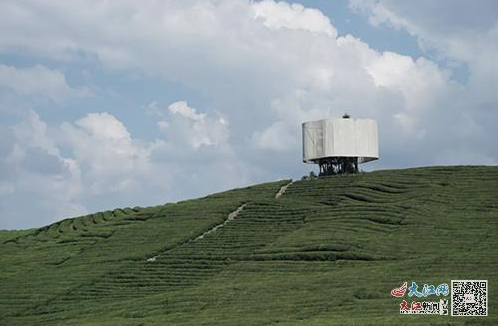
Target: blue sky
145	103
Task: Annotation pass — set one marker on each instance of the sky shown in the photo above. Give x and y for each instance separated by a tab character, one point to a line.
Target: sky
107	104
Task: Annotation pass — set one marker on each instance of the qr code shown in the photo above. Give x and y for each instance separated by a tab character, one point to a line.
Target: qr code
469	297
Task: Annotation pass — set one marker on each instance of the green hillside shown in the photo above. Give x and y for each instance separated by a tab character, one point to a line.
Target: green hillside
326	252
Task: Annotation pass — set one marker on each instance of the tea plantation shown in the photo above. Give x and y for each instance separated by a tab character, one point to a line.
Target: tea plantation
327	251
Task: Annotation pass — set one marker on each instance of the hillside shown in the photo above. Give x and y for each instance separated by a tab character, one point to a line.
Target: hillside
327	251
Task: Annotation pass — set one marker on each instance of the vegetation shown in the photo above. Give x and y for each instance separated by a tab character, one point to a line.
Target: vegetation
326	252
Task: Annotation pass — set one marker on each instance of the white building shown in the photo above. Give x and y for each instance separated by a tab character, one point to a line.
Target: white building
339	145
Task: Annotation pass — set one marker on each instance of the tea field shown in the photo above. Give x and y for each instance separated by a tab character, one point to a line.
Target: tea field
327	251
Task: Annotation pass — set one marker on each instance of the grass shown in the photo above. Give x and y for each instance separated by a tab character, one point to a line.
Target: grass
327	252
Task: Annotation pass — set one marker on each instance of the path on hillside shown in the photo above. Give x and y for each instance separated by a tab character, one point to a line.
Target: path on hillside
283	189
231	216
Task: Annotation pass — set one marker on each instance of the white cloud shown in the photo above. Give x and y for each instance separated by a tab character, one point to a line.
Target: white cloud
463	32
183	109
459	34
261	69
276	137
103	165
101	159
293	16
111	161
38	80
38	175
191	130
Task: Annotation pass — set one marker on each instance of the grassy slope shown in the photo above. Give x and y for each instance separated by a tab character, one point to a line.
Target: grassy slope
325	253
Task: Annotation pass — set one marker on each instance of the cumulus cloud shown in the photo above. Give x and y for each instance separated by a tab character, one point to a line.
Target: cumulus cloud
292	16
277	137
463	32
38	81
105	151
38	175
94	161
192	129
196	147
262	68
100	160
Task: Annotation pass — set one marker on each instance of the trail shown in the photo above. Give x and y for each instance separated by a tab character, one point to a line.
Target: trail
229	218
283	189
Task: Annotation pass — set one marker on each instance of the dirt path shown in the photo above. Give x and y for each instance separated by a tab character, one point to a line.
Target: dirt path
229	218
283	189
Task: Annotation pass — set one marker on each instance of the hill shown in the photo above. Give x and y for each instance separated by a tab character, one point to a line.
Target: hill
327	251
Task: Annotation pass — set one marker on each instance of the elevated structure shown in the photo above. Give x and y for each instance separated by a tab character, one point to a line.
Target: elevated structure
339	145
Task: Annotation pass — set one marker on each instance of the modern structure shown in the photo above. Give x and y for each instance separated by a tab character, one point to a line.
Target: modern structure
339	145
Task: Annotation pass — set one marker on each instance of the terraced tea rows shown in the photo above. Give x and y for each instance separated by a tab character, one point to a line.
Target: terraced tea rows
324	251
